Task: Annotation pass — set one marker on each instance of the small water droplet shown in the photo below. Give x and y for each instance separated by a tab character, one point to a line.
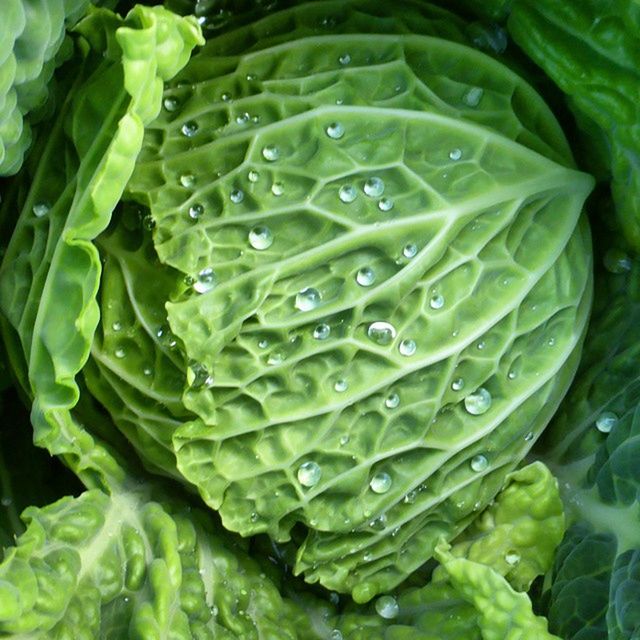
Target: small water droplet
606	421
341	385
189	129
254	517
322	332
481	345
263	344
529	436
344	440
410	498
277	189
226	97
478	402
243	118
512	375
410	250
381	482
147	371
387	607
473	96
381	332
236	196
40	209
385	204
187	180
335	130
347	193
198	376
436	301
253	176
512	558
204	281
617	261
308	299
392	401
407	347
117	326
455	154
373	187
276	357
171	104
551	341
166	337
379	523
365	276
479	463
270	153
335	635
458	384
120	353
344	59
309	474
260	238
195	211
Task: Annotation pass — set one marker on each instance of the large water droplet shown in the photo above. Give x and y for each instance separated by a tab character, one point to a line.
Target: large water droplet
309	474
365	276
308	299
455	154
277	188
236	196
373	187
40	209
189	129
479	463
171	104
195	211
347	193
436	301
187	180
478	402
341	385
381	482
270	153
387	607
458	384
381	332
392	401
410	250
204	281
260	238
473	96
407	347
606	421
335	130
385	204
322	332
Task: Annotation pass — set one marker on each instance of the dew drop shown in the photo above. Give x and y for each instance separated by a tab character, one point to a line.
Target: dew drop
117	326
365	276
385	204
253	176
381	482
341	385
387	607
335	130
243	118
379	523
478	402
204	281
344	59
606	421
335	634
512	558
166	337
195	211
187	180
373	187
410	250
270	153
410	498
40	209
263	344
512	375
277	188
381	332
481	345
455	154
236	196
479	463
147	371
529	436
344	440
407	347
171	104
309	474
254	517
458	384
260	238
347	193
120	353
436	301
392	401
189	129
275	358
308	299
473	96
226	97
616	261
322	332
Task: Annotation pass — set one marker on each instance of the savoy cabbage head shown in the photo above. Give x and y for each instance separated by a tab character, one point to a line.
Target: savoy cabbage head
296	290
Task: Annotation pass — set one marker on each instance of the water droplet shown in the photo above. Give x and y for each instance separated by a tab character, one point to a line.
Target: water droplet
117	326
277	188
166	337
529	436
263	344
147	371
40	209
226	97
410	498
365	276
478	402
385	204
344	440
335	130
410	250
344	59
171	104
204	281
387	607
606	421
481	345
373	187
347	193
436	301
392	401
309	474
368	556
458	384
253	176
254	517
120	353
381	482
275	358
617	261
335	635
187	180
341	385
512	375
195	211
236	196
251	77
473	96
189	129
6	501
308	299
270	153
512	558
198	376
455	154
551	341
382	333
260	238
148	223
407	347
379	523
321	332
243	118
479	463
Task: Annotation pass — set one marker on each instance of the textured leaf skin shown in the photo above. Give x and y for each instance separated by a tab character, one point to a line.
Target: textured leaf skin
250	430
